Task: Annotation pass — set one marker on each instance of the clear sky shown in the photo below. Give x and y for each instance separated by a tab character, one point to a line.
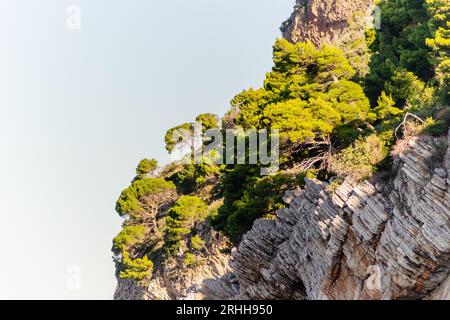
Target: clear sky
80	108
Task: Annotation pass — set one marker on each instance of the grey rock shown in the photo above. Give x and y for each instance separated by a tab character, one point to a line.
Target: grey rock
360	242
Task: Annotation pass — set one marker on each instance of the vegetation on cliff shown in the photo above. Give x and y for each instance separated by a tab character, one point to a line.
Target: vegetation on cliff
332	123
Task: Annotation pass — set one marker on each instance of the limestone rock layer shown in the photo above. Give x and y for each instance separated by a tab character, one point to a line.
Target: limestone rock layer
385	239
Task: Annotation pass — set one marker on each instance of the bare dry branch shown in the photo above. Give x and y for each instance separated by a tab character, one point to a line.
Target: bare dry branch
403	124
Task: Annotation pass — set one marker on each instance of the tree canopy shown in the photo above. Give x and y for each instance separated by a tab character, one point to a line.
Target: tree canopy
130	199
146	166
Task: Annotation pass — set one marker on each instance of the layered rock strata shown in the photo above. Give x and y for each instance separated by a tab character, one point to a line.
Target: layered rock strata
377	239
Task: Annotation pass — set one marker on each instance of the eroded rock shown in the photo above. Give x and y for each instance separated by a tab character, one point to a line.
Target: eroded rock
361	241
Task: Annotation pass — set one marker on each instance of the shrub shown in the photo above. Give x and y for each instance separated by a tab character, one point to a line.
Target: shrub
146	166
190	260
386	107
197	243
436	127
404	86
129	237
193	177
248	198
208	121
174	235
189	210
358	161
182	217
185	179
137	269
129	201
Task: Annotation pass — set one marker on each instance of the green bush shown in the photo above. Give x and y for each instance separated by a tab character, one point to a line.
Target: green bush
146	166
438	127
359	160
129	237
386	107
190	260
439	42
177	135
248	197
182	217
405	87
137	269
197	243
193	177
175	233
185	179
208	121
189	210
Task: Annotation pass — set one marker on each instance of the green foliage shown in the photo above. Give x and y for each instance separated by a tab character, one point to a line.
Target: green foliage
314	98
197	243
129	237
307	95
190	260
185	179
137	269
439	126
359	160
189	210
400	48
439	42
404	86
208	121
177	135
182	217
371	38
436	128
248	197
386	107
175	233
146	166
356	45
194	176
129	201
310	98
184	133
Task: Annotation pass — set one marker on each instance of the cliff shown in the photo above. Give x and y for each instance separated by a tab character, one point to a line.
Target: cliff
378	239
213	279
372	240
325	21
337	22
387	237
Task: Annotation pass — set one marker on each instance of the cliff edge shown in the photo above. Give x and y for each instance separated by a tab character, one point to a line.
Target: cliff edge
372	240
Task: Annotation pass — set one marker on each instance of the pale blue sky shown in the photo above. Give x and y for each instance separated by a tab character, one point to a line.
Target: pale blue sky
79	109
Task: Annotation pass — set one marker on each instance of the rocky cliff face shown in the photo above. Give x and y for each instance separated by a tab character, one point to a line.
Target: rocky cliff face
385	238
213	279
372	240
325	21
